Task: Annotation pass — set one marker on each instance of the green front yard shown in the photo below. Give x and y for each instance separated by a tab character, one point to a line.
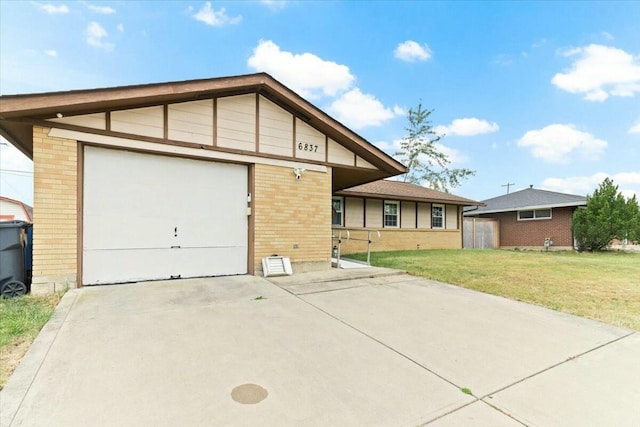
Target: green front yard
20	321
602	286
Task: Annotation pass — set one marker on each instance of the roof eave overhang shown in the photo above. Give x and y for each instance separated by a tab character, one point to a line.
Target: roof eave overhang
347	193
17	112
525	208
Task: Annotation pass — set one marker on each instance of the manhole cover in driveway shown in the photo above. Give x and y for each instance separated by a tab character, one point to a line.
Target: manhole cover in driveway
249	394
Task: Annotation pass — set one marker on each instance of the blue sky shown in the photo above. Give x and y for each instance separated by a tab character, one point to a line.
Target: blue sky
529	93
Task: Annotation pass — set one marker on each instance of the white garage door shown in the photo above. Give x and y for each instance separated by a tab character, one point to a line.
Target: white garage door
150	217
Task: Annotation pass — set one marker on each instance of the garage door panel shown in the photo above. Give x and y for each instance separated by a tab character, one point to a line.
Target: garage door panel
153	217
201	261
132	265
106	232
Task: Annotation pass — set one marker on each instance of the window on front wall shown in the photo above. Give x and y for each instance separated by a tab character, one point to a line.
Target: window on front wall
391	214
437	216
336	211
534	214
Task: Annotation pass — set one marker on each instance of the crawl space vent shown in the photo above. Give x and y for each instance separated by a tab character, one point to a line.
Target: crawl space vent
276	266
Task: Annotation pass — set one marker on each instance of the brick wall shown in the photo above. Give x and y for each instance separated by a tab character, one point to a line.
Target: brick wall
403	239
289	213
55	217
523	234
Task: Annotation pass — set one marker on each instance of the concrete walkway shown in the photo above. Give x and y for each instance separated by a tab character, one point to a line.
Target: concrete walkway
342	348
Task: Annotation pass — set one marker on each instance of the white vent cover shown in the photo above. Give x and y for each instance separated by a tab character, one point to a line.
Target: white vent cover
276	266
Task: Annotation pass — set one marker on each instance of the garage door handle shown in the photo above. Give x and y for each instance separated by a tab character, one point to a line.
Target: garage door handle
175	247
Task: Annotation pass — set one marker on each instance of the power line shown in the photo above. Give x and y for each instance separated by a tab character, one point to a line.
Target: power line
16	171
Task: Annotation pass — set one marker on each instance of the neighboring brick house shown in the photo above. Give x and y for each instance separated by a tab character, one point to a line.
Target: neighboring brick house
183	179
528	217
408	216
11	210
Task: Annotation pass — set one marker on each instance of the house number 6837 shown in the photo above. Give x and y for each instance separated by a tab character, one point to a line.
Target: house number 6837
307	147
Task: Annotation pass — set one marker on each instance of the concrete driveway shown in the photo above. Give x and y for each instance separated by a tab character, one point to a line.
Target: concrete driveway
320	349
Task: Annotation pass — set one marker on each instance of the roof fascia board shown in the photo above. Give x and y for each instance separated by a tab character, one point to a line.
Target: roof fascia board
94	100
346	193
528	208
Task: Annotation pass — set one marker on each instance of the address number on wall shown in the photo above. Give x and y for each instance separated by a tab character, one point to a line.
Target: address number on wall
307	147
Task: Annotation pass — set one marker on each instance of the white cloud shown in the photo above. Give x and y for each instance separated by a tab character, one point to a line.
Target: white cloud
468	127
399	111
274	4
359	110
558	143
635	128
120	28
607	35
104	10
96	35
628	183
307	74
600	72
411	51
388	147
51	52
214	18
53	9
454	156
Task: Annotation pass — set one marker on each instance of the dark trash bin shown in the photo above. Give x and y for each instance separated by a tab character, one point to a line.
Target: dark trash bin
15	280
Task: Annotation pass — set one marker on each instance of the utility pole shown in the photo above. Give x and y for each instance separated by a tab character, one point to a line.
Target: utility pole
508	184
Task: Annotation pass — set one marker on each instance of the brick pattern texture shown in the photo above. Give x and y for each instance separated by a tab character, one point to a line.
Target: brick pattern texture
402	239
290	213
55	217
531	234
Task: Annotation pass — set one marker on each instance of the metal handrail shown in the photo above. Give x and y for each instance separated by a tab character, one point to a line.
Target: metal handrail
348	237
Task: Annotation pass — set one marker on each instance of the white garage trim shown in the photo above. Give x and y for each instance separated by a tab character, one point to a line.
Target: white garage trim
148	217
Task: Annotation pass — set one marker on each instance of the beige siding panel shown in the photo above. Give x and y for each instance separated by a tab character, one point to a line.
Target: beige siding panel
310	144
147	121
191	122
451	215
424	215
362	163
94	121
236	120
276	129
374	213
338	154
408	215
354	212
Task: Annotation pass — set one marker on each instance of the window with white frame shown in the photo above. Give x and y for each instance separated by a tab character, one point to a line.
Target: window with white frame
337	204
534	214
437	216
391	214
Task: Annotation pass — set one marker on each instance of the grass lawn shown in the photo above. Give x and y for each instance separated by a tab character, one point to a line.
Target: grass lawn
20	321
603	286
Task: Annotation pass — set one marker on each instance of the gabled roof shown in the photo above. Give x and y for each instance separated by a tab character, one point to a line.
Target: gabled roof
18	113
529	198
396	190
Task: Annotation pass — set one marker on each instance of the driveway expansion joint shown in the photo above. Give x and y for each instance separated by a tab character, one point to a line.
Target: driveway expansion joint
568	359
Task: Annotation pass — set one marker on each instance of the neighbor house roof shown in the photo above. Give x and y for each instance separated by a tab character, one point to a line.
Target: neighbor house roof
18	113
28	210
529	198
396	190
